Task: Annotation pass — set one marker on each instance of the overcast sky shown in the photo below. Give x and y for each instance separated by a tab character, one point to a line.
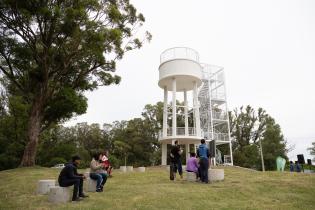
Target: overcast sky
266	47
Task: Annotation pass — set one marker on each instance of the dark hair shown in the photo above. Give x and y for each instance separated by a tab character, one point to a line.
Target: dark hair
75	157
202	141
291	161
96	156
176	142
192	154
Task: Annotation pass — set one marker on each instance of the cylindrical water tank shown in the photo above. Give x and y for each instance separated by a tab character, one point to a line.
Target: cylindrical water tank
183	64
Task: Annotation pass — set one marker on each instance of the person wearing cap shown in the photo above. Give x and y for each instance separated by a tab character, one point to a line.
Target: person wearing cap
69	176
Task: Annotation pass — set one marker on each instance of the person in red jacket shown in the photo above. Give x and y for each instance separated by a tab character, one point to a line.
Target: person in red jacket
106	163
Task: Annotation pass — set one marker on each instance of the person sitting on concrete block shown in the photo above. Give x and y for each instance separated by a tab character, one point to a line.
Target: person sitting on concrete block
69	176
192	164
97	172
105	161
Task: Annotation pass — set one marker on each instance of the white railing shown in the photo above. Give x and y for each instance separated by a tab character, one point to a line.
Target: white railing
179	53
180	131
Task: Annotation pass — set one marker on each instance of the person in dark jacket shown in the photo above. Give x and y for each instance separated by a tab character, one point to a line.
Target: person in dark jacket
69	176
176	163
203	154
291	166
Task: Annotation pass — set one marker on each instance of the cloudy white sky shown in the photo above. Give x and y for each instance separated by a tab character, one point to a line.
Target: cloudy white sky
266	47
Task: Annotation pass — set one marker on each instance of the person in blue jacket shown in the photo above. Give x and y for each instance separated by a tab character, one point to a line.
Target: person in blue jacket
69	176
203	154
291	166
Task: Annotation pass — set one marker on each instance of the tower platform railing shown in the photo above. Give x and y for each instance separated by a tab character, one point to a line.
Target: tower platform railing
180	131
179	53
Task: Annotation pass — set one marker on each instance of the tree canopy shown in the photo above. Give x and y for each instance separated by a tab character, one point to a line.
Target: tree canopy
312	150
248	127
52	51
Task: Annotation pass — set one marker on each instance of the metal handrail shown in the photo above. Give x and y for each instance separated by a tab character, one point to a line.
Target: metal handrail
179	52
180	131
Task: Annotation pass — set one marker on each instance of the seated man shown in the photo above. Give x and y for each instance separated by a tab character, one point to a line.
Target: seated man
69	176
97	172
192	164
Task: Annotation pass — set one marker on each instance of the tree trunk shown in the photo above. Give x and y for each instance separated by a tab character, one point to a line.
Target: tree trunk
33	131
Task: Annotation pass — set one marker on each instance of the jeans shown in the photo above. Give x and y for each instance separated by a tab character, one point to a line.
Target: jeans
100	179
77	186
177	165
204	166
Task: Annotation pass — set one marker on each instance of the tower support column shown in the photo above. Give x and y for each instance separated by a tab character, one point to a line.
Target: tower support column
187	153
196	108
164	133
164	154
174	123
186	113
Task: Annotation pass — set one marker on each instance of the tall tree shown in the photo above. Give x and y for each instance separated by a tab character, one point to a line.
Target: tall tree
248	127
52	51
312	150
273	144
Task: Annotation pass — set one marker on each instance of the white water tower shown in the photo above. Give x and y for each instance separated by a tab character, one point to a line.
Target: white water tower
206	117
180	72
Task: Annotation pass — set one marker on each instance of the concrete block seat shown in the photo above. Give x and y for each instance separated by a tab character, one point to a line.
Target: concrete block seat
191	176
59	194
216	175
129	168
140	169
43	186
123	169
90	184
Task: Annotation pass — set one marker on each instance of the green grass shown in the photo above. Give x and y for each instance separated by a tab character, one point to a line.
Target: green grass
241	189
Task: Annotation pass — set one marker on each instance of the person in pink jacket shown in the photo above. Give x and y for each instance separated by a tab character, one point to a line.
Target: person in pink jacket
192	164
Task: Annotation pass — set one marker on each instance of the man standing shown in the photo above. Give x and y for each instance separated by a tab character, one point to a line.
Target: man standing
69	176
176	163
203	154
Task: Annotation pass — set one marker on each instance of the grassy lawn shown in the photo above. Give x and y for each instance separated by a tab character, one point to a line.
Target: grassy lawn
241	189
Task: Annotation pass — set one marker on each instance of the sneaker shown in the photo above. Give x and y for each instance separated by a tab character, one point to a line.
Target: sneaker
99	190
83	196
77	199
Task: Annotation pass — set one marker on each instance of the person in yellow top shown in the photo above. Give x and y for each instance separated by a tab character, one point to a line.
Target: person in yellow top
98	173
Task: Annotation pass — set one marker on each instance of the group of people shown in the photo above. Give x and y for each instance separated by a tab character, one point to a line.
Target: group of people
295	168
197	163
100	169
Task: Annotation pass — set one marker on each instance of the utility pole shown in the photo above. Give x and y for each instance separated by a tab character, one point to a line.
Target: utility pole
261	156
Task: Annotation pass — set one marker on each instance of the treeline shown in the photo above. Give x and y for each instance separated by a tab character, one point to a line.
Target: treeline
133	142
